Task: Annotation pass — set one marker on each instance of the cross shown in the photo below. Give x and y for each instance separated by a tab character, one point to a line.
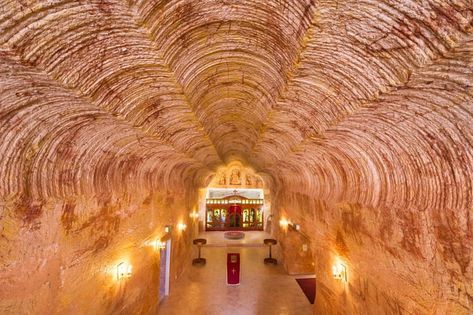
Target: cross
233	270
235	192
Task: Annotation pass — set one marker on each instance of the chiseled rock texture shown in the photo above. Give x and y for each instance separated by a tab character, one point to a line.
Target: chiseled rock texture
114	112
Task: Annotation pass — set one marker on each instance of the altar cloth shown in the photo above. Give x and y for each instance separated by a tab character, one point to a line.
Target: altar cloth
233	268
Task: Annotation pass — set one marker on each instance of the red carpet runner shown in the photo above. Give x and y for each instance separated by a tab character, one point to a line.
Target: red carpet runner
233	268
308	286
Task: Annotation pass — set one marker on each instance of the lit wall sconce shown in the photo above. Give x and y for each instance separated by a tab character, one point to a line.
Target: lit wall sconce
284	223
168	228
194	215
123	270
181	226
339	272
159	245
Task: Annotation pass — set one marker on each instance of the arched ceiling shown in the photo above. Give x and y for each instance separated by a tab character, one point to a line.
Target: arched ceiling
368	101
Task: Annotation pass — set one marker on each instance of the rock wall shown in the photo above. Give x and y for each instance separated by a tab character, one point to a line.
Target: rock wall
399	261
359	114
92	162
64	259
298	258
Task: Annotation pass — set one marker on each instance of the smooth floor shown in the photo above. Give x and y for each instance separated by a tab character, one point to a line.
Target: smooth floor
264	289
252	238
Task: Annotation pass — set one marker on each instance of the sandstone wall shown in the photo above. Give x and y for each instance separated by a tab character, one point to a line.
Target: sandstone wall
63	260
399	261
358	112
92	162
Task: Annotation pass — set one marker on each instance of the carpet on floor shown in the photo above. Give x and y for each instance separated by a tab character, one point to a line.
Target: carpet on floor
308	287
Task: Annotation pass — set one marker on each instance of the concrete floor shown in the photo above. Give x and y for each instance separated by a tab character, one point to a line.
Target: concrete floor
264	289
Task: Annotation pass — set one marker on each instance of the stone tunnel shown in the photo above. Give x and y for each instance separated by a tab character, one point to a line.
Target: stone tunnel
356	115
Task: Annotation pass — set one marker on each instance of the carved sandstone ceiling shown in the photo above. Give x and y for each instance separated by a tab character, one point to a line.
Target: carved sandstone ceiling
368	101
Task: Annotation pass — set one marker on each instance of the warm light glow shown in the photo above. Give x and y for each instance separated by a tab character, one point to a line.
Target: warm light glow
181	226
284	223
123	270
167	229
160	245
155	244
194	215
339	271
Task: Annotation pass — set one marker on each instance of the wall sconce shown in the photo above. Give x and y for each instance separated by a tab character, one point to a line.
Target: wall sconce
181	226
159	245
296	227
284	223
123	270
339	272
194	215
168	228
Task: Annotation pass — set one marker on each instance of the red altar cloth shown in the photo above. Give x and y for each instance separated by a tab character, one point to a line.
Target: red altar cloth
233	268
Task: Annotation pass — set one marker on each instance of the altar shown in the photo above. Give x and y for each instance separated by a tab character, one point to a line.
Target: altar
235	199
234	213
233	268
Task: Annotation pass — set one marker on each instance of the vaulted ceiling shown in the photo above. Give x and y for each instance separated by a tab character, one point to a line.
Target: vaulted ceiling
368	101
